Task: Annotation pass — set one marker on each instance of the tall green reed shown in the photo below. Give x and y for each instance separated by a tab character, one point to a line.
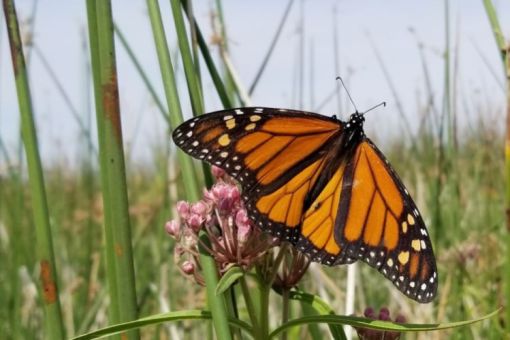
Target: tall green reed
119	258
215	302
504	50
54	328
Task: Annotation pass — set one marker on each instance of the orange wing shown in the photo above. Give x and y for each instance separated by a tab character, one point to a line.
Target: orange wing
365	212
261	147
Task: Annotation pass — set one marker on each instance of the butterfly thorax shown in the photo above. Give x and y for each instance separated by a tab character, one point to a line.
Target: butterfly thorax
341	151
354	128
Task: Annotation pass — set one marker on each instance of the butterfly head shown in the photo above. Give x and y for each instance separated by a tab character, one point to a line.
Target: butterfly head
356	121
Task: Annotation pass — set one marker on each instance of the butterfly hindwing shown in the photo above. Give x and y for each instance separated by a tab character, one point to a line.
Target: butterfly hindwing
378	222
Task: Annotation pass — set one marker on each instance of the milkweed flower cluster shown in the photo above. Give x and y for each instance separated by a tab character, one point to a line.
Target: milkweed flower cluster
220	225
374	334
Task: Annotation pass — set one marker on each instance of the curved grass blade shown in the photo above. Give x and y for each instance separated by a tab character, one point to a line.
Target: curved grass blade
321	307
356	321
160	318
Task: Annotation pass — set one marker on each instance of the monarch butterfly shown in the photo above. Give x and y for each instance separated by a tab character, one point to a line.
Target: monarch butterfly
321	184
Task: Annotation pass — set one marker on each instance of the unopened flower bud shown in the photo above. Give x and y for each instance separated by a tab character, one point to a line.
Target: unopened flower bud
369	313
183	209
188	267
384	314
172	228
217	172
195	222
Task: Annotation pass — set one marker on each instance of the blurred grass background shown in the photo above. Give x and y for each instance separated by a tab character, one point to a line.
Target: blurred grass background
455	171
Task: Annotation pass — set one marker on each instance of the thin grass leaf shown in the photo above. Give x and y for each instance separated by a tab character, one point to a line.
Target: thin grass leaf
158	319
192	79
375	324
172	97
54	328
322	308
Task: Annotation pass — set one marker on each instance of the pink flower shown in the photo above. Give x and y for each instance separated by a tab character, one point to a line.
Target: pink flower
183	209
229	199
172	228
232	239
199	208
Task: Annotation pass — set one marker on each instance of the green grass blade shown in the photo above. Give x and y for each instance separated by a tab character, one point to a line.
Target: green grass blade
113	309
375	324
120	270
192	78
172	97
321	307
216	302
158	319
504	49
54	328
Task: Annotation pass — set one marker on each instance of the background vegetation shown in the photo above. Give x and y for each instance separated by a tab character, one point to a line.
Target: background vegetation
97	207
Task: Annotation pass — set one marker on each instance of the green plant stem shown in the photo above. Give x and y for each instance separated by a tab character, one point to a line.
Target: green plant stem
250	306
504	50
192	78
190	69
119	258
191	187
215	302
265	289
285	310
54	328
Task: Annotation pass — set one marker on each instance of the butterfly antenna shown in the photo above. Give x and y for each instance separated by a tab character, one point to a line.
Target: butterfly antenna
348	94
375	107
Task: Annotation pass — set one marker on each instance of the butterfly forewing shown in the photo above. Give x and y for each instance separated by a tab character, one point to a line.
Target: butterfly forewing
258	146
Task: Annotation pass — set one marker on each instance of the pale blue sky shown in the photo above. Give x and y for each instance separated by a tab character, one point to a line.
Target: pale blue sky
60	25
